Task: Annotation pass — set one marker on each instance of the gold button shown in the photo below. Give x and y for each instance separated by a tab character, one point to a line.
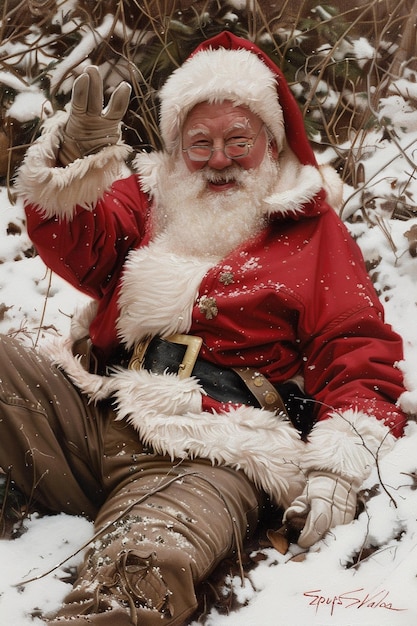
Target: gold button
270	397
258	381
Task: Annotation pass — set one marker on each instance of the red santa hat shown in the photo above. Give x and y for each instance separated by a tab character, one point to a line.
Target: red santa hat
227	67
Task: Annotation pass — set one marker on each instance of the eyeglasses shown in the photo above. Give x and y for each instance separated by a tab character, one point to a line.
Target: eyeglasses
231	149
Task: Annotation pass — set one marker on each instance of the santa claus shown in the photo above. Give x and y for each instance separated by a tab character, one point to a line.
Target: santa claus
232	327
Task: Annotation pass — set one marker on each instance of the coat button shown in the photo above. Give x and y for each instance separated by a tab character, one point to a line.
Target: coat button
226	278
208	307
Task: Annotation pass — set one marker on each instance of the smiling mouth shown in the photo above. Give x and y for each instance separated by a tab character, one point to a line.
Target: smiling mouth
225	180
221	184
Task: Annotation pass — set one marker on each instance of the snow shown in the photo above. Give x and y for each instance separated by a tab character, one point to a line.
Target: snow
29	105
361	574
47	542
320	591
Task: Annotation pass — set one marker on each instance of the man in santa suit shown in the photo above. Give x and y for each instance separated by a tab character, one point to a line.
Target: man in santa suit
234	349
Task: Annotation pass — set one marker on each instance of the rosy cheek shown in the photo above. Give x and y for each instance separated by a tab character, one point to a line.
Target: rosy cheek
255	157
193	166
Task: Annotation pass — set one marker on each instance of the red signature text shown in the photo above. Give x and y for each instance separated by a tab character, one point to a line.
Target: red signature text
357	599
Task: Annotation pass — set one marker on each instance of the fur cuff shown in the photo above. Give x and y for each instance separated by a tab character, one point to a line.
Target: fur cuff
349	444
56	191
408	401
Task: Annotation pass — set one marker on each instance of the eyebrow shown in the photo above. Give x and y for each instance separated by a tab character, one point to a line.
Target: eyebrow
192	132
244	125
203	130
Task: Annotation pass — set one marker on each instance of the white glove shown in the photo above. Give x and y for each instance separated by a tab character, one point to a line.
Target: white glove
90	127
327	501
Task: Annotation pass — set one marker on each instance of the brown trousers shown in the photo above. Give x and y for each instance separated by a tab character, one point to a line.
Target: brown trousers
163	525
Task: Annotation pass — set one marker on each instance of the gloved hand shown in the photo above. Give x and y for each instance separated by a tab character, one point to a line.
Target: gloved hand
327	501
90	127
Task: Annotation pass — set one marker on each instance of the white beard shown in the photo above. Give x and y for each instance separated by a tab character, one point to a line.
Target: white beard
197	222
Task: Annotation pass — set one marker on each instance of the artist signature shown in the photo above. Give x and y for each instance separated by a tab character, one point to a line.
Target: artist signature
357	599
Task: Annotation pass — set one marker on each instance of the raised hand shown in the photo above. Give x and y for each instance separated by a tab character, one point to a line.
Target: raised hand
90	127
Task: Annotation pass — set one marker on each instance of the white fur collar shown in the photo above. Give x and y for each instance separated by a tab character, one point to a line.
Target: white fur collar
158	292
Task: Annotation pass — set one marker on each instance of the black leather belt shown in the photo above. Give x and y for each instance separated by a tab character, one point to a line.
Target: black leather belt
223	384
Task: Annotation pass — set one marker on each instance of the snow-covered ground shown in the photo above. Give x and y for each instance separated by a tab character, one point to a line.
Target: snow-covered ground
362	574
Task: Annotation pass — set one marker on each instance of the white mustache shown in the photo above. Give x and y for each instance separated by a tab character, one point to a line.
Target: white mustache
230	174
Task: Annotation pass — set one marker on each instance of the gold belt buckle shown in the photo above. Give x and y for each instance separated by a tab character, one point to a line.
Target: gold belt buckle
193	344
138	355
185	368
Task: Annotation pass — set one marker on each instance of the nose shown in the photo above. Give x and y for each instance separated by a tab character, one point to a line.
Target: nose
218	159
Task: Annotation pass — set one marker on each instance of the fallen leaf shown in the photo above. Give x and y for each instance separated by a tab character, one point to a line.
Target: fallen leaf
278	540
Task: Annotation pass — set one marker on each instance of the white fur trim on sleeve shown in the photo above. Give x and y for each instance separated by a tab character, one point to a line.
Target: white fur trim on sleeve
56	191
349	443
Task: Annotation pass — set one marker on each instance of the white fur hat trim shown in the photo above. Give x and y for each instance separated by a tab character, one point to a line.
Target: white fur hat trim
218	75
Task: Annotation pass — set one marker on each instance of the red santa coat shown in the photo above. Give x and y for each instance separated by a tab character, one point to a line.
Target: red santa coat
294	299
